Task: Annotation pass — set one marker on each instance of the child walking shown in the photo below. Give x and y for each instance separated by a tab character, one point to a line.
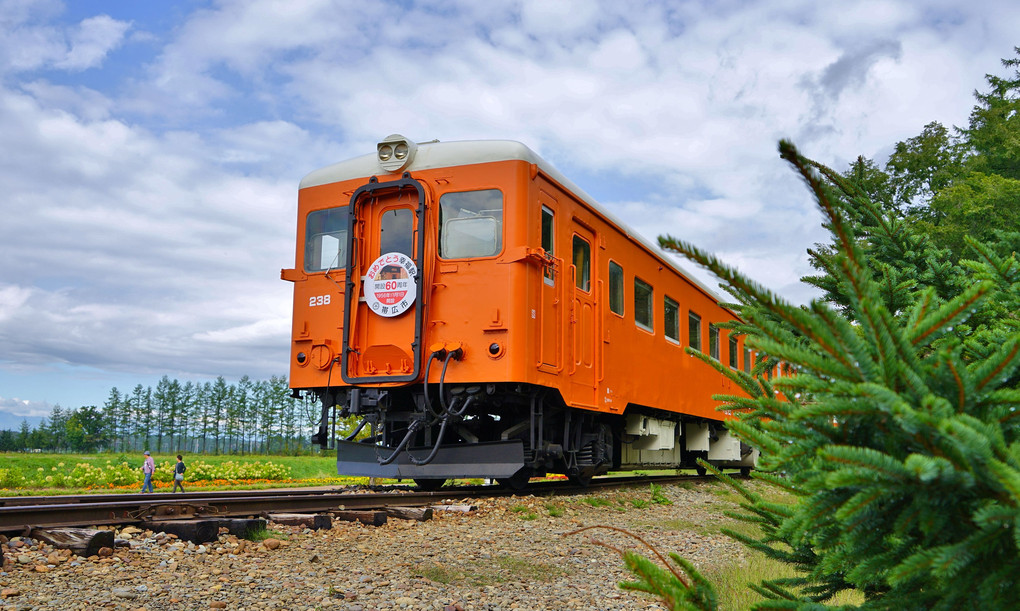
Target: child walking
179	470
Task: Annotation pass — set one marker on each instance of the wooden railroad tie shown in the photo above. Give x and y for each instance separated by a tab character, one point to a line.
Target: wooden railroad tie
82	541
315	521
240	527
203	530
418	514
196	531
368	518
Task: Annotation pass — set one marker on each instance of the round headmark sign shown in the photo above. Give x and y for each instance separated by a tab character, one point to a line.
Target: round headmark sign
390	289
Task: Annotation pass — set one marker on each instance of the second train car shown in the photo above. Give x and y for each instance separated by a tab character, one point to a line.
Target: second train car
483	317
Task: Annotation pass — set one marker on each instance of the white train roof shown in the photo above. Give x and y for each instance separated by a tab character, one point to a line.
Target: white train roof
436	154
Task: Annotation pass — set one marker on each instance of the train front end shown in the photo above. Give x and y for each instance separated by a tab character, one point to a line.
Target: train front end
402	309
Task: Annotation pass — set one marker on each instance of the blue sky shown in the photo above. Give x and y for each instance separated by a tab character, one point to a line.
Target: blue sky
151	151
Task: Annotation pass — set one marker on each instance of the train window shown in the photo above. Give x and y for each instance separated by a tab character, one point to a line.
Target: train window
747	360
694	330
582	263
671	320
396	231
326	240
734	352
643	304
713	341
471	224
615	288
548	243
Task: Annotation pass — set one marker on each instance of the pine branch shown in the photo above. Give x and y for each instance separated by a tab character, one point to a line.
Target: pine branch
936	323
1006	270
999	366
693	594
848	245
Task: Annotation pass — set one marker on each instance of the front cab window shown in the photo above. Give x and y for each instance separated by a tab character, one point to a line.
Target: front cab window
470	224
396	231
326	240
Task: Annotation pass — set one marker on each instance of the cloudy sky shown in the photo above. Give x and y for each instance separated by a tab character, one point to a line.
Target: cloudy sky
150	151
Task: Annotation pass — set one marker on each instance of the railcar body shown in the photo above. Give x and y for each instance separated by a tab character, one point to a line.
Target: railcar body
484	317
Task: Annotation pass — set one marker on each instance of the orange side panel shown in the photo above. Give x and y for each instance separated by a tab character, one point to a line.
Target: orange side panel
523	315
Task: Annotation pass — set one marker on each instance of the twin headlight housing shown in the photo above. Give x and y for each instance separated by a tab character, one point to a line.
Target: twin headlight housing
395	152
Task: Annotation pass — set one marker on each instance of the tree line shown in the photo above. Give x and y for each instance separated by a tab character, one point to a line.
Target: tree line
247	417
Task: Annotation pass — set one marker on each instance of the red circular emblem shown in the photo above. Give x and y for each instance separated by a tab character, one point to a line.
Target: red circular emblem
390	288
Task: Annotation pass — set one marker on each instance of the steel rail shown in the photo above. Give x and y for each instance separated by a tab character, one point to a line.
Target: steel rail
19	513
11	501
132	509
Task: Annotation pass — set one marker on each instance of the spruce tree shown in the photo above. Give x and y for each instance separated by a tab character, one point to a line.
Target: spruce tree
994	130
896	437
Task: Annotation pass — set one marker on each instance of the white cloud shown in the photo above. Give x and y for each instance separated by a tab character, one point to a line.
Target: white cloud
92	41
148	242
88	104
573	18
30	42
12	298
22	408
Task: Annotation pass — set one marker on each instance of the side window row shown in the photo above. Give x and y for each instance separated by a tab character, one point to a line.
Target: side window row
643	297
643	318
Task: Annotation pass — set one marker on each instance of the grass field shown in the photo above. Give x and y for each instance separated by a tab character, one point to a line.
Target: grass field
35	474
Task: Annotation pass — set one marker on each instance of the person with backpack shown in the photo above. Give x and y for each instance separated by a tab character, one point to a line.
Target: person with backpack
179	470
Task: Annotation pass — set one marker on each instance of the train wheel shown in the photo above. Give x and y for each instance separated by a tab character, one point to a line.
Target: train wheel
700	470
745	471
517	481
429	485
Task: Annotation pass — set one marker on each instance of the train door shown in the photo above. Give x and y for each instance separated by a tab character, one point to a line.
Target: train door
550	340
582	314
383	311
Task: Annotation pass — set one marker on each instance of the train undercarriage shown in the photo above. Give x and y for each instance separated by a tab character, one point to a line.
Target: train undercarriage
511	432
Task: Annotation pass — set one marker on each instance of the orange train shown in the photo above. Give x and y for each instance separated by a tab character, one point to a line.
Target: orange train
485	318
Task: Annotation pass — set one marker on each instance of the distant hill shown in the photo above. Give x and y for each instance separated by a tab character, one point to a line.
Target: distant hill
12	422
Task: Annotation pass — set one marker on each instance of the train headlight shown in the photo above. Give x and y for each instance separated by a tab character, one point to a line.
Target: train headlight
395	152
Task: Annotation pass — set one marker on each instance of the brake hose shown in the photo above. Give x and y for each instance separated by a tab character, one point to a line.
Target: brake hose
448	410
411	430
453	354
428	365
435	448
357	430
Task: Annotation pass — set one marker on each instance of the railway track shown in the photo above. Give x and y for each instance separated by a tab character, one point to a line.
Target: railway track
20	513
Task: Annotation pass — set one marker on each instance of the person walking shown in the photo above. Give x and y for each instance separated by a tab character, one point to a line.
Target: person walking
148	468
179	470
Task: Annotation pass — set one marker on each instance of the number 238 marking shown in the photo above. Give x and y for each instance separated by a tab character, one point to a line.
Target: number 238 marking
318	300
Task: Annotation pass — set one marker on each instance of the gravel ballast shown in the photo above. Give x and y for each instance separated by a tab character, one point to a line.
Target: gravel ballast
509	553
